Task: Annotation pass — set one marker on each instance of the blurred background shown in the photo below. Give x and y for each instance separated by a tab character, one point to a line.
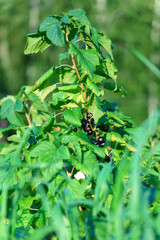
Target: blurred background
128	23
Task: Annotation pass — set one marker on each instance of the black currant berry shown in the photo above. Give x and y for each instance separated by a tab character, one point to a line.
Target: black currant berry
102	144
96	143
89	132
83	123
101	140
32	139
107	158
75	130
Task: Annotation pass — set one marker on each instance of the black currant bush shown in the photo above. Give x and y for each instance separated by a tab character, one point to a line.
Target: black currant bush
68	169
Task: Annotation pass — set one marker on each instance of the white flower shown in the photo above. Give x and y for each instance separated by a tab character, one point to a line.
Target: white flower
79	175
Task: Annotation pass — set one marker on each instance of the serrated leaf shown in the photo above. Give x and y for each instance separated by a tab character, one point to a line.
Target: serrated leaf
8	174
44	92
73	116
113	116
88	59
82	137
47	23
18	105
51	26
88	162
77	190
115	137
44	151
65	19
93	87
61	154
99	151
74	144
67	75
66	138
56	36
47	75
94	108
79	14
69	88
78	150
14	138
104	40
111	69
69	105
26	202
8	110
35	43
9	148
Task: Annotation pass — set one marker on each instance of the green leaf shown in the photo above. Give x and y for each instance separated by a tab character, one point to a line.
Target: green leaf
77	190
56	36
79	14
69	88
53	31
65	19
8	174
26	202
44	151
8	148
8	110
111	69
88	59
104	40
73	116
14	138
114	117
44	92
94	108
44	78
115	88
93	87
47	23
62	56
61	154
89	161
99	151
18	105
68	76
82	137
74	144
115	137
36	42
77	149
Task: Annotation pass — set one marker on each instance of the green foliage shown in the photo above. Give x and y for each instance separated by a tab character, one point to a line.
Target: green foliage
73	166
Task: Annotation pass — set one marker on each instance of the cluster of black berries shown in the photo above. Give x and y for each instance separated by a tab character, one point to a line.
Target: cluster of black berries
88	126
87	123
100	142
